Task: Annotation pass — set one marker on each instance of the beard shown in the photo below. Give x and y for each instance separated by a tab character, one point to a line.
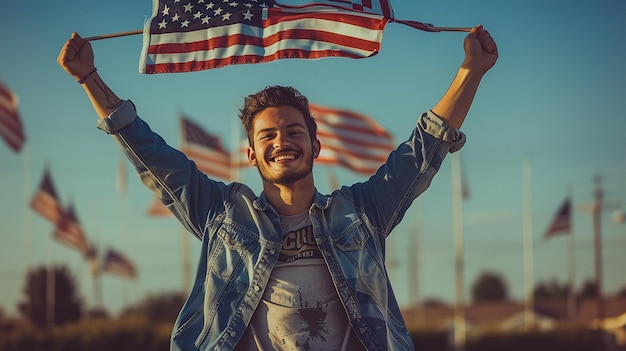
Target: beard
286	177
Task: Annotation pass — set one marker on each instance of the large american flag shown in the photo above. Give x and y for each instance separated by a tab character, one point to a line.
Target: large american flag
192	35
205	149
45	201
351	139
11	129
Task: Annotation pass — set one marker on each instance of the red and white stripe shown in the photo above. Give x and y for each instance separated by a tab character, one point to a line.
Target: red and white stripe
351	139
11	129
285	33
45	201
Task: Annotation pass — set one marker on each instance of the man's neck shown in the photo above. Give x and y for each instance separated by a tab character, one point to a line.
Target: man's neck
291	199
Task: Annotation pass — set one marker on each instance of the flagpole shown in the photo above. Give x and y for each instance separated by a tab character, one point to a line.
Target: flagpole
114	35
597	243
97	278
28	245
50	298
451	29
528	245
97	289
428	27
97	282
457	205
595	209
571	299
140	31
50	285
28	238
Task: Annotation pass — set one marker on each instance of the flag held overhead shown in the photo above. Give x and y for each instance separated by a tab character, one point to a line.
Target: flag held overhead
184	37
194	35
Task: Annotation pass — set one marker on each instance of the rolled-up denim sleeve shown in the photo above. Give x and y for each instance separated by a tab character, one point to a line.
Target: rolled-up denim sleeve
124	115
188	193
435	126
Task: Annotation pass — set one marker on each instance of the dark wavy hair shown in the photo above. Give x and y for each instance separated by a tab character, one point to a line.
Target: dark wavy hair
274	96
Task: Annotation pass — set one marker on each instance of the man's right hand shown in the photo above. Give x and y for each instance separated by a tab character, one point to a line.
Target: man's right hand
481	51
76	57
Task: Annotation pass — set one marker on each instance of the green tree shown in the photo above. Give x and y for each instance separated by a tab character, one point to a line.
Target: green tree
553	290
489	286
67	304
158	308
588	290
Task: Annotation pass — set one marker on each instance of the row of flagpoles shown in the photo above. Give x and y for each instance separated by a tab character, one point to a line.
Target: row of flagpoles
69	231
66	227
350	140
560	224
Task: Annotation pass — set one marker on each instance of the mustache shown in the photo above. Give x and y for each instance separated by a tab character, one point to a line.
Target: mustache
283	151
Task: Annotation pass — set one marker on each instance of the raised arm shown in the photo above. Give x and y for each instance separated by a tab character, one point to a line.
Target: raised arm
77	59
481	54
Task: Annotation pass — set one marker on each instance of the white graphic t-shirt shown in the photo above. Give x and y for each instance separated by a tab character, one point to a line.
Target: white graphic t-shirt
300	309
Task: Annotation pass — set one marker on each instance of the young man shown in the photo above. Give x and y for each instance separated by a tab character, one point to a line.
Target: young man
291	269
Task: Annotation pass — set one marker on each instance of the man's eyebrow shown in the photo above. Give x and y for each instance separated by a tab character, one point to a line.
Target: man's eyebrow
265	130
271	129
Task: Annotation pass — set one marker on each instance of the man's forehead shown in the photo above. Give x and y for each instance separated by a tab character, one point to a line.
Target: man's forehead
279	117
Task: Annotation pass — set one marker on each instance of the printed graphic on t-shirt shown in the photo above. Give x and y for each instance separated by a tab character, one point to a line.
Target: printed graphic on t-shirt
300	309
320	327
299	244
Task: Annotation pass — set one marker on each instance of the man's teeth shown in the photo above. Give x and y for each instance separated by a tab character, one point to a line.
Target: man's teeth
284	157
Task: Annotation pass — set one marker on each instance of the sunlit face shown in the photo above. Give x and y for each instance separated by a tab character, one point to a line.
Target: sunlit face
282	149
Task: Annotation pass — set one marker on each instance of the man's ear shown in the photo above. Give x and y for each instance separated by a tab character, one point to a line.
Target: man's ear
251	155
317	146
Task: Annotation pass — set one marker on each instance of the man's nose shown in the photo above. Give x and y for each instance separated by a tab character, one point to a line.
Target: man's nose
281	141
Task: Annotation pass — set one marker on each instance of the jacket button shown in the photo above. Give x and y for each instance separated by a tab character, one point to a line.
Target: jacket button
233	333
272	252
257	288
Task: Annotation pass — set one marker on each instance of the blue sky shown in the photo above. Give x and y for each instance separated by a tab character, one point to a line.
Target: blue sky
556	98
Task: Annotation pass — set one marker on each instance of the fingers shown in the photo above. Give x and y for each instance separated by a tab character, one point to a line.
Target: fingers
477	29
484	38
481	51
67	53
74	45
76	56
487	42
69	50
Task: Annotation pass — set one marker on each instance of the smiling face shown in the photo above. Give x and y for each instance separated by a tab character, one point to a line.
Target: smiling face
282	149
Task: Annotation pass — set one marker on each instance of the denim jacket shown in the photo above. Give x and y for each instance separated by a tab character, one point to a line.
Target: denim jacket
241	236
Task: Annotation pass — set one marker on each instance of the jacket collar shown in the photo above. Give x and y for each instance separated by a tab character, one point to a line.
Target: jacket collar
319	200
